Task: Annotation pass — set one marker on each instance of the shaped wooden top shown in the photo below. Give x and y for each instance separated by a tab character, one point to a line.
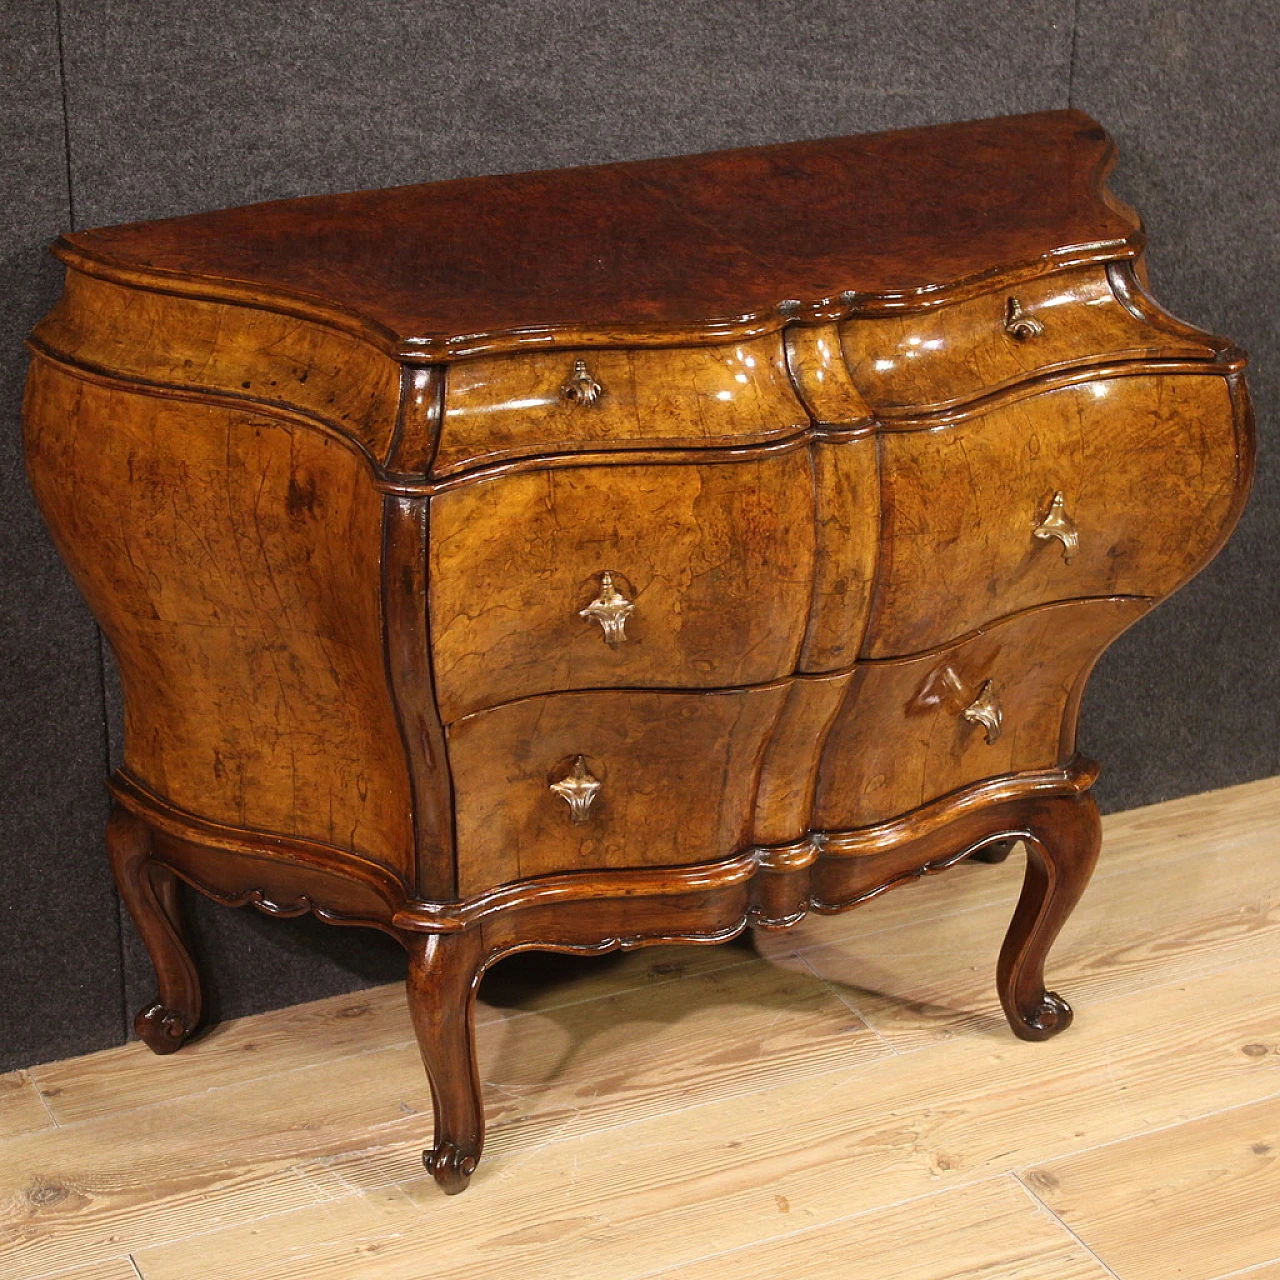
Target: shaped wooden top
693	248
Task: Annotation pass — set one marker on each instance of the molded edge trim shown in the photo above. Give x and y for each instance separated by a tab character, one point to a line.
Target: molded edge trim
751	324
1230	362
399	913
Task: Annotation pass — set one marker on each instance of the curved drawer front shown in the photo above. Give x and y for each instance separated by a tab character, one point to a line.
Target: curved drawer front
1002	701
1116	487
931	359
710	569
654	779
517	406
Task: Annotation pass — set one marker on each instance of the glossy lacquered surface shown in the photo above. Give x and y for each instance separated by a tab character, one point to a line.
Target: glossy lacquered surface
583	560
482	263
1147	466
515	406
929	361
700	552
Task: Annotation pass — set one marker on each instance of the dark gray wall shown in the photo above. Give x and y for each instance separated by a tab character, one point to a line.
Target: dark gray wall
118	112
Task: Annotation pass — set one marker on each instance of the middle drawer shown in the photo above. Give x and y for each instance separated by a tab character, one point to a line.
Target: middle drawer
688	575
1118	487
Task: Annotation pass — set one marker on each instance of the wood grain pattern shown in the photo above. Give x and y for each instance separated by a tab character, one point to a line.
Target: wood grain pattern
902	738
831	1144
925	978
990	1229
239	351
232	560
21	1110
149	890
1150	470
355	617
703	1061
485	264
701	551
678	772
932	359
789	773
1207	1192
107	1269
847	485
412	682
816	362
513	406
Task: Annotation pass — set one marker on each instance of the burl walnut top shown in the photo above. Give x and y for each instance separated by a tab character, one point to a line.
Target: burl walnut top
683	246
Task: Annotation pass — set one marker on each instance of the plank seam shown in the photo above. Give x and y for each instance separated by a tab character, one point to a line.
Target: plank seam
844	1000
1053	1217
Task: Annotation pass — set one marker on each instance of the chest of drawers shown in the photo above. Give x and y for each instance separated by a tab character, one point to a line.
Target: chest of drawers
585	559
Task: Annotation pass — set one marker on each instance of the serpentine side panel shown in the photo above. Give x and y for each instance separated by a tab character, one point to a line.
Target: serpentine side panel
233	560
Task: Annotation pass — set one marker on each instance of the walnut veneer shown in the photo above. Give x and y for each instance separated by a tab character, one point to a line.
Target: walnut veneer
587	559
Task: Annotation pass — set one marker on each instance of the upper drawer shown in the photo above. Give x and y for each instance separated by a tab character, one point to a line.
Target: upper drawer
516	406
925	360
1116	487
710	569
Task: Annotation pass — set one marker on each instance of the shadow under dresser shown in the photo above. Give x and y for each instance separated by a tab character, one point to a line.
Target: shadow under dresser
592	558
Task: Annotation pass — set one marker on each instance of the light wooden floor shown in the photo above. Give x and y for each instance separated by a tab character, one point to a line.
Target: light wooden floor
844	1102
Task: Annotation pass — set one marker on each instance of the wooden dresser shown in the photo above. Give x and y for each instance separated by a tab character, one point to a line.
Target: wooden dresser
585	559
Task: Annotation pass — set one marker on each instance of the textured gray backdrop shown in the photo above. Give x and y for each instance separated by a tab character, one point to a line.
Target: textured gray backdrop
112	112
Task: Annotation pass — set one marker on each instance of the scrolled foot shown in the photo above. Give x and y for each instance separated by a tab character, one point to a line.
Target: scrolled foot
1062	839
161	1029
1044	1020
450	1167
150	891
444	971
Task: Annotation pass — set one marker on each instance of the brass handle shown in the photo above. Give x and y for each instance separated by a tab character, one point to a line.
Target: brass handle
581	387
610	609
985	710
1057	524
578	789
1020	326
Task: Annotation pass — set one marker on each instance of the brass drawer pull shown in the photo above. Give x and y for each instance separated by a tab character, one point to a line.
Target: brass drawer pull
1020	326
1057	524
985	710
578	790
581	388
610	609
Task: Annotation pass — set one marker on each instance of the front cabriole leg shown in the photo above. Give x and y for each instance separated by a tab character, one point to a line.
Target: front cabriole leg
1063	834
444	972
150	892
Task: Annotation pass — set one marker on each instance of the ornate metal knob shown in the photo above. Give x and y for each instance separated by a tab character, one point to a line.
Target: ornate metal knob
1018	324
581	387
985	710
578	790
1057	524
610	609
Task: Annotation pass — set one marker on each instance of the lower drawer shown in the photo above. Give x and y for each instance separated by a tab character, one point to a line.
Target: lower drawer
1002	701
675	776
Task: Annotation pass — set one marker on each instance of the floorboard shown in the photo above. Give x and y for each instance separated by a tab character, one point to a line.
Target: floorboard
845	1092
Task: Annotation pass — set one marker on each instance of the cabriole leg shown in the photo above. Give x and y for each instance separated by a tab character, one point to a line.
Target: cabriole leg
444	972
1062	848
150	892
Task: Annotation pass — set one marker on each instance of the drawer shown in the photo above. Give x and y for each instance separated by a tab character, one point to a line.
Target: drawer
665	779
1115	487
1003	701
516	406
710	571
929	359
